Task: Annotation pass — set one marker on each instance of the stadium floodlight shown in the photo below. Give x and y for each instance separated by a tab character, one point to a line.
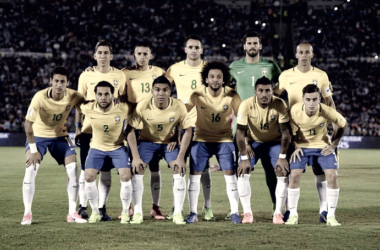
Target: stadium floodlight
212	19
264	24
376	57
319	31
257	22
336	8
223	45
348	1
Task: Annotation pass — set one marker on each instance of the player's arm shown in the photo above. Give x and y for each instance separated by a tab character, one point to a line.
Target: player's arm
180	161
244	166
340	125
137	163
34	156
78	125
282	162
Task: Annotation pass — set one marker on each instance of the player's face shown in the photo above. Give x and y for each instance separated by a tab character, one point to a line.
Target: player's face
215	79
311	101
252	46
103	56
104	97
142	56
193	49
59	83
264	94
304	54
161	92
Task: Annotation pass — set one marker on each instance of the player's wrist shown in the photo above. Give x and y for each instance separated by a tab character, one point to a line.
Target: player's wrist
33	148
244	157
282	156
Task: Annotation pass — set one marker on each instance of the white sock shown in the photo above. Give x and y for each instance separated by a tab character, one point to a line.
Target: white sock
72	186
179	192
293	197
193	192
206	187
92	195
137	193
244	188
232	193
155	187
281	194
321	185
125	195
28	187
332	200
82	190
104	186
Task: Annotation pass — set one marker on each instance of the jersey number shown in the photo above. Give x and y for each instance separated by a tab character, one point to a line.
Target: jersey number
312	131
105	128
193	84
264	126
145	89
57	117
160	127
215	118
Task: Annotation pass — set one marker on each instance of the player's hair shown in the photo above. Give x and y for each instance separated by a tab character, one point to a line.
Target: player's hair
193	37
310	88
216	65
145	44
59	70
252	34
304	43
161	79
104	84
263	81
104	42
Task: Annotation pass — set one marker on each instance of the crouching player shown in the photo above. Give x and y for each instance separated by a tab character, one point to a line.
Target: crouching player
107	119
160	116
213	134
268	122
45	129
312	145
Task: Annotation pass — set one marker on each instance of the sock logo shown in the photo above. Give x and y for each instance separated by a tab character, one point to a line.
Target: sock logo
76	186
125	199
208	186
181	189
156	188
234	189
27	183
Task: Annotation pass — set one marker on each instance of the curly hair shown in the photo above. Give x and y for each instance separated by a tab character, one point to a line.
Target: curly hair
216	65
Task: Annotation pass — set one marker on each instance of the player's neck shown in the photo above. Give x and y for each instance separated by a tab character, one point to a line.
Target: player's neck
193	63
103	69
163	105
214	93
252	60
57	96
310	113
303	68
143	68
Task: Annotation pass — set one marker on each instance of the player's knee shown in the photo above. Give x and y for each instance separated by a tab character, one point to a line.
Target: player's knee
89	177
332	178
125	175
30	174
279	172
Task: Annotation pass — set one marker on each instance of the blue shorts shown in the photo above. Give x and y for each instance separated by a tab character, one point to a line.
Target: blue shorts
202	151
119	157
153	151
312	156
85	148
268	152
59	147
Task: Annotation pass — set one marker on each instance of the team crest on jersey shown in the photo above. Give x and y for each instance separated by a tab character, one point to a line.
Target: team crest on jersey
225	107
68	107
115	82
264	71
117	118
315	82
272	117
171	119
154	77
322	124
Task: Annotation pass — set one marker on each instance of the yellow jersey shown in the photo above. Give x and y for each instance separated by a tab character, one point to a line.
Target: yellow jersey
187	79
213	114
293	81
89	79
263	123
159	125
107	127
49	116
311	131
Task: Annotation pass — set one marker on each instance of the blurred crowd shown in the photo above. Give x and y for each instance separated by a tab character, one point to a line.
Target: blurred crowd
70	29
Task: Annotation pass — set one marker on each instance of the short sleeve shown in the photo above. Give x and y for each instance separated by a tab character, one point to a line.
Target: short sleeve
283	115
236	101
335	117
242	114
34	109
82	85
135	119
122	84
168	74
184	120
326	86
279	88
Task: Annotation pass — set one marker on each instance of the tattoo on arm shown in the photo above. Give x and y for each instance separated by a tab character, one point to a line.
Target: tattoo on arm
285	137
338	135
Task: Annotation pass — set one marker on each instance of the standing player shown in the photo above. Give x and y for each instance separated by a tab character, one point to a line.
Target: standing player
106	120
139	85
44	128
268	121
246	71
87	82
213	135
186	75
290	84
160	115
313	145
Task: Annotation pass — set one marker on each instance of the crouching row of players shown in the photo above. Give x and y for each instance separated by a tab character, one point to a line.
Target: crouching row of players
268	133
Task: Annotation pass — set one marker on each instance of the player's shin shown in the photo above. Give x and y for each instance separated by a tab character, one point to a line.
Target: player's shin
321	185
72	186
138	189
179	192
232	192
293	197
244	188
28	187
104	186
155	187
92	195
125	195
332	201
82	190
193	192
206	187
281	194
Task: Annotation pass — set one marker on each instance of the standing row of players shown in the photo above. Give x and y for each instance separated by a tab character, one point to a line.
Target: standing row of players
201	85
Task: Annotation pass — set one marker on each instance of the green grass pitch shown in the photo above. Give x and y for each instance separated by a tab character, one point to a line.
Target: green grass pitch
358	211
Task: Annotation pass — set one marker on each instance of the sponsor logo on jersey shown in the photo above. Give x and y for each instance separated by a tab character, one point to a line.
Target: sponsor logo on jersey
131	79
68	107
239	72
225	107
264	71
272	117
115	82
117	118
181	75
154	77
315	82
322	124
203	107
171	119
92	83
292	83
149	119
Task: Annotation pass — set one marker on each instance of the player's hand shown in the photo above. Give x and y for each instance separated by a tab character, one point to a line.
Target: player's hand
138	166
327	150
123	98
33	159
296	154
171	146
89	69
250	152
283	165
116	100
77	137
244	168
180	165
88	101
